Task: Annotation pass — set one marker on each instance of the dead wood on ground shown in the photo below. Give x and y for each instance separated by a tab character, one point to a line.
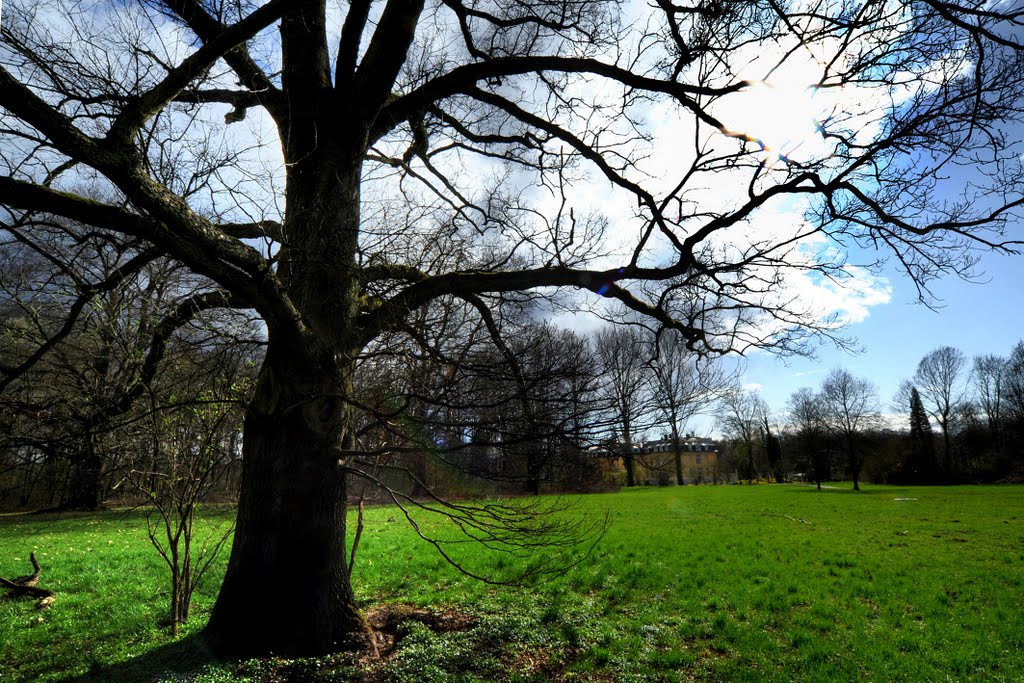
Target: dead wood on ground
23	586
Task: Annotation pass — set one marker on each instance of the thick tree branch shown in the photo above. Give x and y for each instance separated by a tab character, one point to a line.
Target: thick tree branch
385	55
250	73
209	254
146	105
28	585
348	44
463	283
463	79
239	99
251	231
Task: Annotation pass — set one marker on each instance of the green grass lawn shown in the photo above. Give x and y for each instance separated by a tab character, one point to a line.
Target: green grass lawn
707	583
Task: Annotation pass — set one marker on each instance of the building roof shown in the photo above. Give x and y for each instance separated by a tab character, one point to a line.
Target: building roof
689	444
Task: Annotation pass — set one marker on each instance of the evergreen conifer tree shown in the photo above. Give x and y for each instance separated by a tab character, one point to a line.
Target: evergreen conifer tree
922	442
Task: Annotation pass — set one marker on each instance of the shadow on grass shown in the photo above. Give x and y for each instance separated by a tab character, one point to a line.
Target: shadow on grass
179	660
868	490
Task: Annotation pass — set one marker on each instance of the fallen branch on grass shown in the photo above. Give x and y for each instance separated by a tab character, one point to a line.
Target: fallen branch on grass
28	586
792	519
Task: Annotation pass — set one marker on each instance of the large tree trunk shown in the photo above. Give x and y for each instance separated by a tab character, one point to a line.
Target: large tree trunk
85	483
287	590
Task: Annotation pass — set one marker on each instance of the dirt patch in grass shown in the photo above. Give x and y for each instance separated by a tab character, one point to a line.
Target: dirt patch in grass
389	623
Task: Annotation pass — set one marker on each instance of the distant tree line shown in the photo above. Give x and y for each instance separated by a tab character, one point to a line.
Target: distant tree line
111	373
119	386
956	420
977	409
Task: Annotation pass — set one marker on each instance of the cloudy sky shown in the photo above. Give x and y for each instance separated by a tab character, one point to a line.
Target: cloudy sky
880	308
891	329
978	318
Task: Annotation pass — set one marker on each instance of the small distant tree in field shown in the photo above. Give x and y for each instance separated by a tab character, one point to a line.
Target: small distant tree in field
772	449
940	374
1013	401
683	385
989	377
849	408
806	418
626	387
740	419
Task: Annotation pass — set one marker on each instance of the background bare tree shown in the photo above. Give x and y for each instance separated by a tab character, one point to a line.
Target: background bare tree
741	415
111	317
684	385
808	426
626	388
850	409
1013	398
941	379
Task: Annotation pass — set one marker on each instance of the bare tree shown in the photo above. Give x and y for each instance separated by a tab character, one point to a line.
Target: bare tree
684	385
989	380
807	421
740	417
370	112
536	403
942	383
1013	391
105	311
191	447
627	388
849	408
772	448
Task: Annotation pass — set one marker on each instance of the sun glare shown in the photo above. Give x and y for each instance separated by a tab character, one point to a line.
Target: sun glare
783	113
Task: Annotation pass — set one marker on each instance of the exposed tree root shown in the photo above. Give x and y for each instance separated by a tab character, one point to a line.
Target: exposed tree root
28	586
390	623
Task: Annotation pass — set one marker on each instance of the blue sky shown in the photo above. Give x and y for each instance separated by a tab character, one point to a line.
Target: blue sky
977	318
893	330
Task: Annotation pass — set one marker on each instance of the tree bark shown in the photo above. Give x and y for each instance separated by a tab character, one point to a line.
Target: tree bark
628	458
287	591
677	448
855	461
85	480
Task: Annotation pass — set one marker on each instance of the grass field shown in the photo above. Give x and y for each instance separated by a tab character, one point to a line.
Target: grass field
696	583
